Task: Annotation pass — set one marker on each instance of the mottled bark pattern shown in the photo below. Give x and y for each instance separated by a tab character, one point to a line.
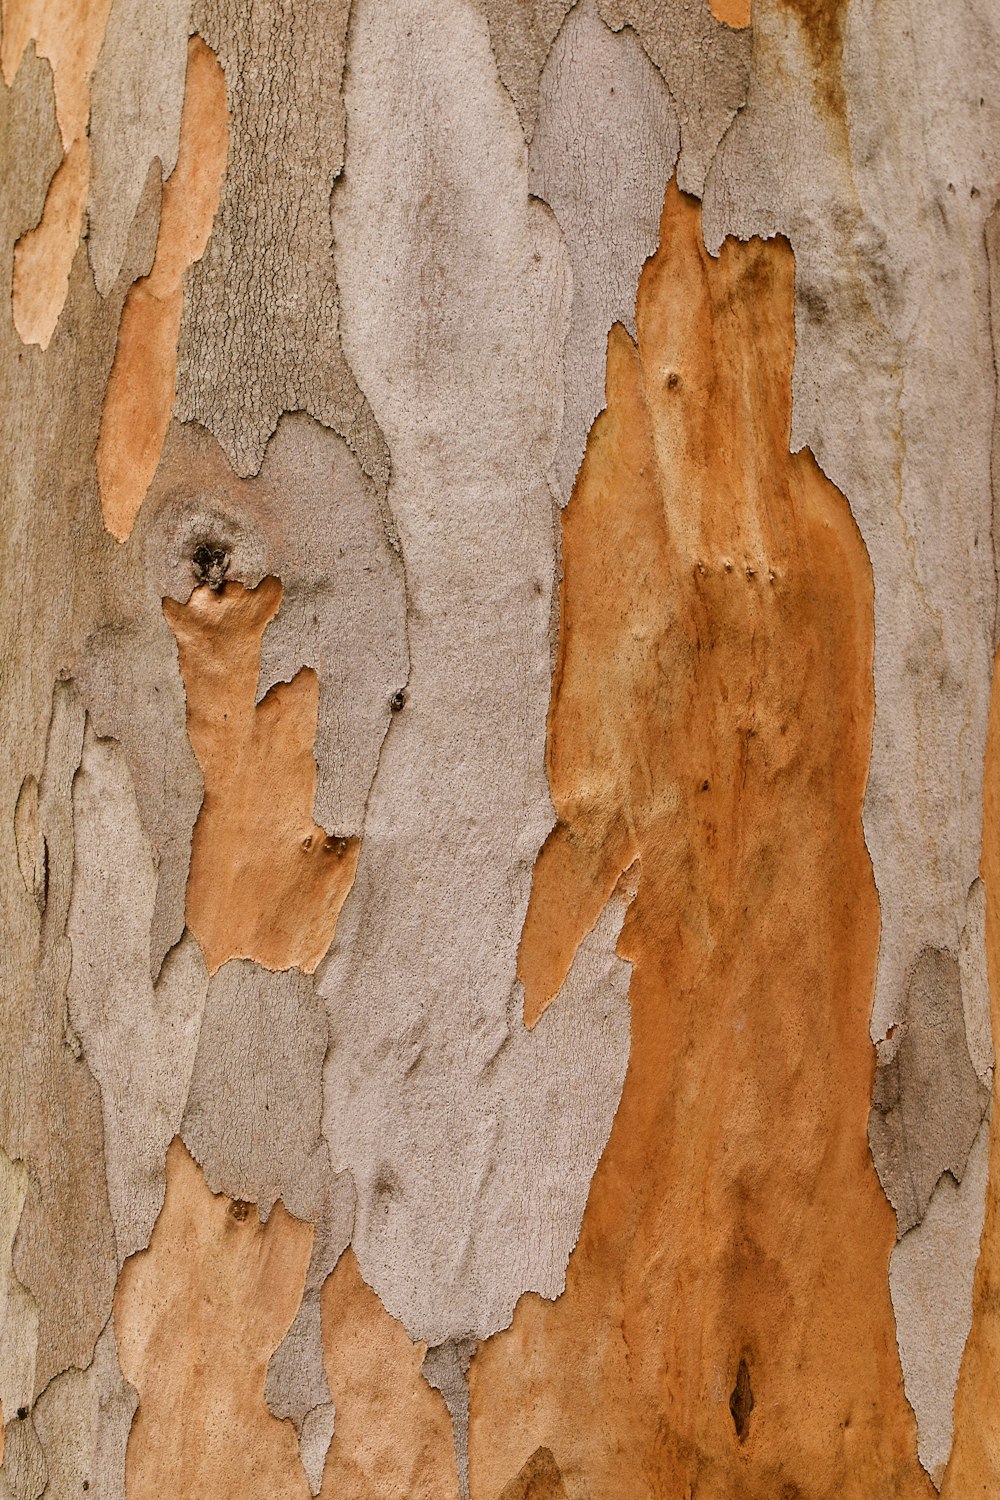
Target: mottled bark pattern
498	830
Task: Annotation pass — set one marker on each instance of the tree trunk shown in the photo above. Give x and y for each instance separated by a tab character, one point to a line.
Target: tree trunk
501	841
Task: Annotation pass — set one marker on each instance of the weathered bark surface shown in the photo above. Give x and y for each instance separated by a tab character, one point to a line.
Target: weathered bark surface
498	855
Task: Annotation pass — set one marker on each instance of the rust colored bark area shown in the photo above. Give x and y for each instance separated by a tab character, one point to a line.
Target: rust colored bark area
735	13
141	387
197	1317
822	23
726	1327
266	881
393	1435
974	1466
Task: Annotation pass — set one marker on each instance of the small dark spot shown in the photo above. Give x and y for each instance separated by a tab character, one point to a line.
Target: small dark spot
673	380
974	192
239	1210
86	1484
741	1401
210	565
727	565
334	844
22	1412
704	786
398	700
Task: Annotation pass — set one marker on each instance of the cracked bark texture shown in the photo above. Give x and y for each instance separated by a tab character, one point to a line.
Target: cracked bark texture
491	1009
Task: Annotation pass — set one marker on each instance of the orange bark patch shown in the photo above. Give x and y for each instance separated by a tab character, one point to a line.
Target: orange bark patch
393	1434
141	387
726	1327
70	34
974	1467
266	882
734	13
43	258
197	1317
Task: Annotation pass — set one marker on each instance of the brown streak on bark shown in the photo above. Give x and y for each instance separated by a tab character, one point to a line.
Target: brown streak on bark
822	23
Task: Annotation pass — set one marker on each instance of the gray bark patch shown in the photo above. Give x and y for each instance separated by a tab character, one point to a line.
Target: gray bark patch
927	1101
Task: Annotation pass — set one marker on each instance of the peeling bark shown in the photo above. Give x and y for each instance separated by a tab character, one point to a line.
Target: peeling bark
142	383
711	707
438	922
266	882
974	1464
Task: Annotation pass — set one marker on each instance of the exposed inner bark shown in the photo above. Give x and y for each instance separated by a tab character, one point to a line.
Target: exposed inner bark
266	881
711	717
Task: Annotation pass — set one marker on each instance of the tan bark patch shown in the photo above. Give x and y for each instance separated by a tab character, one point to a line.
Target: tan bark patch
974	1466
43	258
266	881
140	393
69	33
197	1317
393	1434
726	1326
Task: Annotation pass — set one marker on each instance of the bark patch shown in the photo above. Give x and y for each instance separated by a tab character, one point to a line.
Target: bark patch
70	37
141	387
974	1465
43	257
393	1434
711	718
197	1316
928	1103
266	881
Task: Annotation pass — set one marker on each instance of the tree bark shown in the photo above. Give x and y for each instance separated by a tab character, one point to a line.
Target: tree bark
500	854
